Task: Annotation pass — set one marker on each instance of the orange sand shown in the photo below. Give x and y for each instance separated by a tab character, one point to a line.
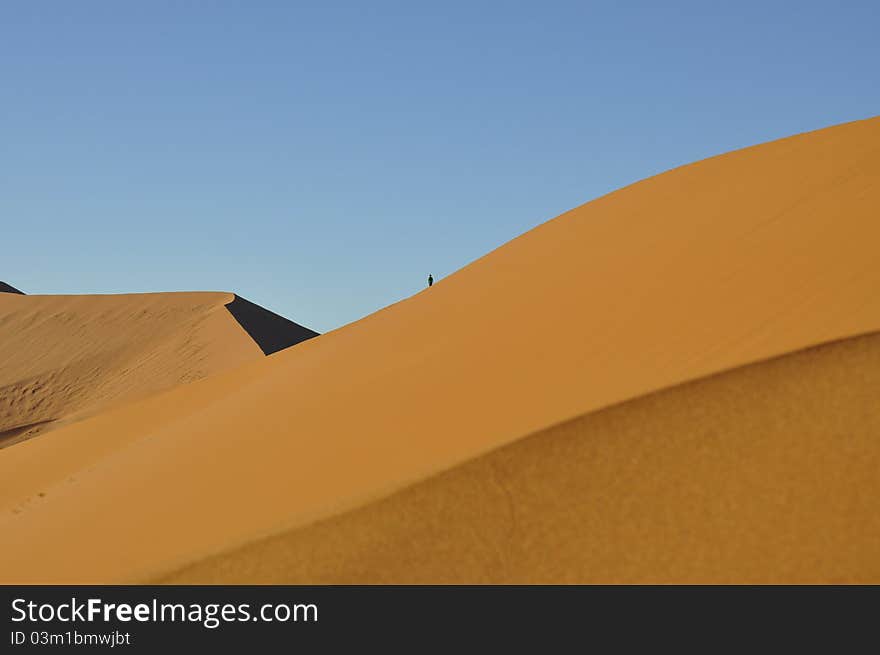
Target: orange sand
764	474
711	266
69	356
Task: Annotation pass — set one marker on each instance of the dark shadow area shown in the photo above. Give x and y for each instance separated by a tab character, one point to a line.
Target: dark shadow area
22	433
5	288
269	331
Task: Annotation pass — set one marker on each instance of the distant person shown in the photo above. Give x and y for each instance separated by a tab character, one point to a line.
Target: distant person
430	280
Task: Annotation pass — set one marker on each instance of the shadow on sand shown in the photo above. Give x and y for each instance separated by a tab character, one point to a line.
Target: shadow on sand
269	331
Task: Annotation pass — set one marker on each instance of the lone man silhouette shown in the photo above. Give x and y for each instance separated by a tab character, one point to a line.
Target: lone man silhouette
430	280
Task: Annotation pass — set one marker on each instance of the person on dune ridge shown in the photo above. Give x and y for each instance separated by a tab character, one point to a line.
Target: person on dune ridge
430	280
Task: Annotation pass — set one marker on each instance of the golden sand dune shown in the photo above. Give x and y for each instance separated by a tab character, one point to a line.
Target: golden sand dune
65	356
722	263
768	473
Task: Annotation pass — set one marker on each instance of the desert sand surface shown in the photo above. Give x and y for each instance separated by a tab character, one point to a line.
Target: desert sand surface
763	474
710	267
67	357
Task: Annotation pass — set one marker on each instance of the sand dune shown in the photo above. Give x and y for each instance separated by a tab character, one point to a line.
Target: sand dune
767	473
715	265
65	357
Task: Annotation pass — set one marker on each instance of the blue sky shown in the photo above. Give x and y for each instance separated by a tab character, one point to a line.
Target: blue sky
322	158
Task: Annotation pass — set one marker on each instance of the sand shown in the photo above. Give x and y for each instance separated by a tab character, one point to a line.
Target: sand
764	474
716	265
69	357
65	357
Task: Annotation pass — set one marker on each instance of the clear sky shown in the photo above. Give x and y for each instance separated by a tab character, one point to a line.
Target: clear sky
321	158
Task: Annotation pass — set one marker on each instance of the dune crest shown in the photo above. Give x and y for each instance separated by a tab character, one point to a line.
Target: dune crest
66	357
722	263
